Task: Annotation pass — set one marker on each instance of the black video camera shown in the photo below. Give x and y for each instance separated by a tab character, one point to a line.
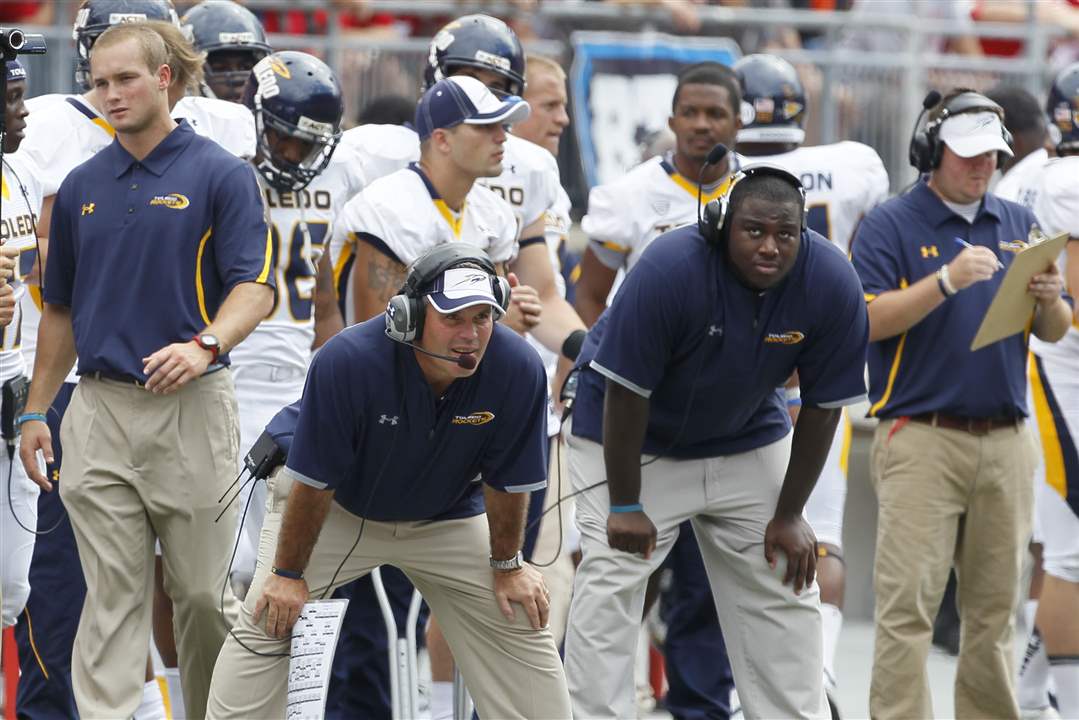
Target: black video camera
14	42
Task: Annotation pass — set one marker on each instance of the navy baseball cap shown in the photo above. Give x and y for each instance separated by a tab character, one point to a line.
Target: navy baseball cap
462	287
15	70
462	99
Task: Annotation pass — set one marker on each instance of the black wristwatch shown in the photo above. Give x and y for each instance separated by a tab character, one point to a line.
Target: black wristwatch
514	563
206	341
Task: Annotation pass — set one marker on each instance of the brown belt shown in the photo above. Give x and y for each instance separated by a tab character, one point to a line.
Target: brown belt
972	425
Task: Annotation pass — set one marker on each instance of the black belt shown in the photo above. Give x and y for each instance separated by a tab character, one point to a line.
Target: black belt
132	380
972	425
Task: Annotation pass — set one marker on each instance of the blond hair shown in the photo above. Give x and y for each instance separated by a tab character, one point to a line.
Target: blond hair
184	60
538	64
152	47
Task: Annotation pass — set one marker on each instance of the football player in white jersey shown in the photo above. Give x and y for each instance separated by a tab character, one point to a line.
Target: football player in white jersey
21	203
63	132
627	214
306	181
843	182
1054	404
1024	119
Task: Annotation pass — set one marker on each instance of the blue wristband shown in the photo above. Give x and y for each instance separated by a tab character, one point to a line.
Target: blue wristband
27	417
637	507
290	574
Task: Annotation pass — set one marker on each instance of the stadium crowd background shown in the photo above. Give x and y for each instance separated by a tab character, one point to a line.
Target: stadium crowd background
865	65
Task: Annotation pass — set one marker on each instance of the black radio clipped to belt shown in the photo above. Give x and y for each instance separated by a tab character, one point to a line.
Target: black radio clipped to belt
13	395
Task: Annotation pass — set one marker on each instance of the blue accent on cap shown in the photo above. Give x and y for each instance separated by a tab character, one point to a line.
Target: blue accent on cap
444	105
15	70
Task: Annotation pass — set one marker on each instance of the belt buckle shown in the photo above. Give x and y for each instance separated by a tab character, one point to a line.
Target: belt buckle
979	426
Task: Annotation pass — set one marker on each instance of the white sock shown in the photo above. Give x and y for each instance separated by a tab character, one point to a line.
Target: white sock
1033	685
152	705
176	694
1065	670
441	700
831	624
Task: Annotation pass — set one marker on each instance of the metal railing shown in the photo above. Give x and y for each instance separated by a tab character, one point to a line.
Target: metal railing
871	96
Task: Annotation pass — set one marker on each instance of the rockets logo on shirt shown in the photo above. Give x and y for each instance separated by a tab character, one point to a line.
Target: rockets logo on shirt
791	337
175	201
481	417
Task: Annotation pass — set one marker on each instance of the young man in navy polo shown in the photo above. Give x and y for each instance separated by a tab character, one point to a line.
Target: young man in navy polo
679	382
403	440
160	263
953	458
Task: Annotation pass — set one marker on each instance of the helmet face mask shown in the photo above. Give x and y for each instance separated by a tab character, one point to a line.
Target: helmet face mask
233	40
479	42
96	16
294	95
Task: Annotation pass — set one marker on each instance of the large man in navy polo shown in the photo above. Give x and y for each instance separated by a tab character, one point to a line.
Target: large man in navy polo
952	457
159	264
694	350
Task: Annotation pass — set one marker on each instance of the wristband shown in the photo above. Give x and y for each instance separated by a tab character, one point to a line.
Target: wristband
944	283
290	574
636	507
27	417
571	347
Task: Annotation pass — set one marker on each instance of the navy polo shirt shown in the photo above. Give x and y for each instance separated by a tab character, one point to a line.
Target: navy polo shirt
710	353
371	429
144	252
282	426
930	368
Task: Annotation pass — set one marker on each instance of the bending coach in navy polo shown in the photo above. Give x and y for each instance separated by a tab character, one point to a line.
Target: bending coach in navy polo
421	433
159	263
681	381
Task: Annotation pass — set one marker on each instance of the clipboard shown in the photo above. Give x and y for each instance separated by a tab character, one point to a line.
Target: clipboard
1012	306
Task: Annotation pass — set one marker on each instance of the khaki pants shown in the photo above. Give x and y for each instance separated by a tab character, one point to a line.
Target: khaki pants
948	496
511	670
552	550
139	466
773	636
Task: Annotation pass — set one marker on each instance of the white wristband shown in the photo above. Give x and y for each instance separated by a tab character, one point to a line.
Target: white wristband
945	282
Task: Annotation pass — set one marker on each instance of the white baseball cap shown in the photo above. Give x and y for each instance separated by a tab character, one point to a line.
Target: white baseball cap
461	287
973	133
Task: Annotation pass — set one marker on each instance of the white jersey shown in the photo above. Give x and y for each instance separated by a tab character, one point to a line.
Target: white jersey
626	215
284	338
403	214
1056	205
1020	183
843	182
229	124
529	181
64	131
21	197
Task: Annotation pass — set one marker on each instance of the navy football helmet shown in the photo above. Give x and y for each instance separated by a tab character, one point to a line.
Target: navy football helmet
773	101
97	16
233	40
1063	109
481	42
294	95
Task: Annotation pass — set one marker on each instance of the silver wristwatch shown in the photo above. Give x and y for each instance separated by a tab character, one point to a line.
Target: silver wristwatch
514	563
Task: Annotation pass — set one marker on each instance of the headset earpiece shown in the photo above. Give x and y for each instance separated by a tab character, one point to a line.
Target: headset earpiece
714	218
926	148
502	291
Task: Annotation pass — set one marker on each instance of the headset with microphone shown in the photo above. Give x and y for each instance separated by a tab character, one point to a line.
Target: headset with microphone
926	147
711	224
406	310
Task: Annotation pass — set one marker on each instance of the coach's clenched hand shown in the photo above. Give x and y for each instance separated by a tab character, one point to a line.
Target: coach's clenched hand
173	366
282	599
7	303
631	532
792	535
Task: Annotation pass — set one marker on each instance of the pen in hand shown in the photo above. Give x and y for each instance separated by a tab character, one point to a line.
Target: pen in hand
964	243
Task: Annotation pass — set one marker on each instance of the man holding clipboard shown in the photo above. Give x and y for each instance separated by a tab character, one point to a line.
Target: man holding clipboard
952	456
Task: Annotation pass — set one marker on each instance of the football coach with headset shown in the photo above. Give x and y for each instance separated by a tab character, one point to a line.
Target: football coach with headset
159	264
696	428
952	458
410	425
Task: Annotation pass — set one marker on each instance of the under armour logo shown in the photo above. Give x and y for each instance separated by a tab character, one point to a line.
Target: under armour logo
88	209
383	419
714	330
